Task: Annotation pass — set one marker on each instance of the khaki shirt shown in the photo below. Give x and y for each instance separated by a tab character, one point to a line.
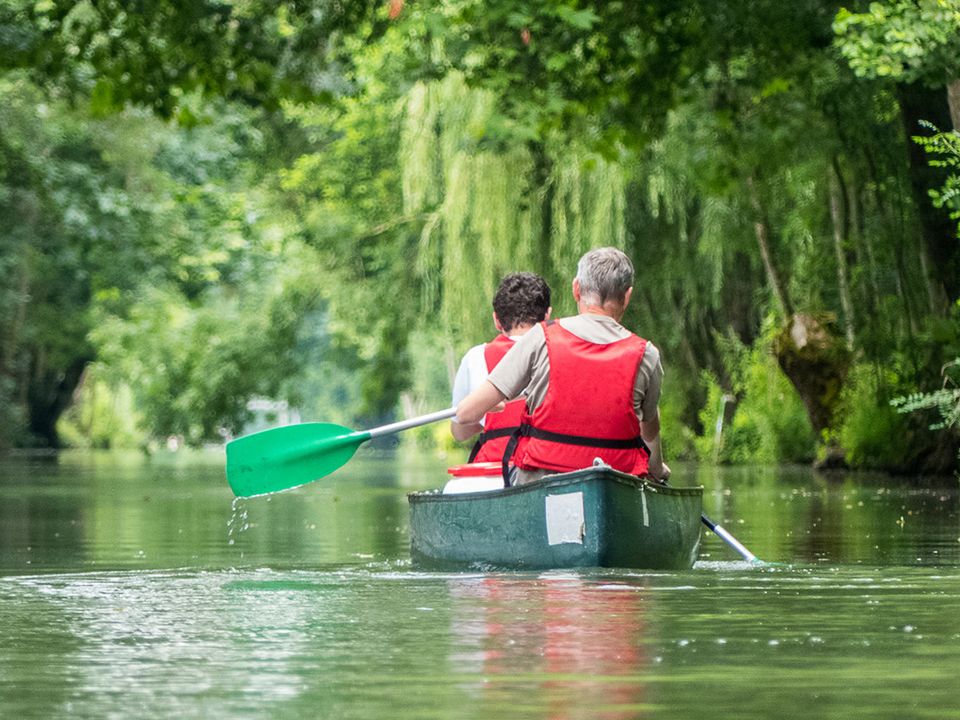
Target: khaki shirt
525	369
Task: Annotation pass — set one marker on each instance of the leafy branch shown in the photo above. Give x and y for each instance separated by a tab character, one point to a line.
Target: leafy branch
944	151
945	400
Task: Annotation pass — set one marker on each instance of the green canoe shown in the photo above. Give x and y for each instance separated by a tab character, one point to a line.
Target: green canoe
596	517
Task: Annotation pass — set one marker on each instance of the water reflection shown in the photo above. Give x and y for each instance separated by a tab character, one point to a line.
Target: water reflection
796	515
315	611
580	645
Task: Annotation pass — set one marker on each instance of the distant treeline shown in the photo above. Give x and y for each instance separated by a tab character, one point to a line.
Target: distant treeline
313	202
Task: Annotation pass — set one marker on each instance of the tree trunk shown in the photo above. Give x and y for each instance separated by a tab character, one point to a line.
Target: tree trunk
953	100
863	244
761	230
815	359
49	393
839	220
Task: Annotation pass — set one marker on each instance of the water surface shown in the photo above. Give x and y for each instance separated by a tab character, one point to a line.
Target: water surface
133	588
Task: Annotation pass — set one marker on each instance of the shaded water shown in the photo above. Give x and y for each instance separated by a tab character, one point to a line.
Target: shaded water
138	589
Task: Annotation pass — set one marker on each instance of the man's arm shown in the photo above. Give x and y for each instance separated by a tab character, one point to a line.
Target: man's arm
511	375
650	432
464	431
478	403
646	402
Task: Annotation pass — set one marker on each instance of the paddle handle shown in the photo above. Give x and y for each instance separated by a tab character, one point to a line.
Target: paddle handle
731	541
410	423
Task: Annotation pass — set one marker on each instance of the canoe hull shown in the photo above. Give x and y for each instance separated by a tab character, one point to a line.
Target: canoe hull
595	517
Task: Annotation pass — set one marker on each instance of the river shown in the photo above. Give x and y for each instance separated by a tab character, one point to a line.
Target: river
134	588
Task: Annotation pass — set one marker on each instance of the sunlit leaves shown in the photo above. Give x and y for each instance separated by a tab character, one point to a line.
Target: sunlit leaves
903	39
153	54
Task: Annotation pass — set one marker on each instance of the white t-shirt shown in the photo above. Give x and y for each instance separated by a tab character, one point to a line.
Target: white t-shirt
472	372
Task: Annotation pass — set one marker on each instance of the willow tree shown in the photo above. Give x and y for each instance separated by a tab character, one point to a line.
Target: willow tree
420	200
484	204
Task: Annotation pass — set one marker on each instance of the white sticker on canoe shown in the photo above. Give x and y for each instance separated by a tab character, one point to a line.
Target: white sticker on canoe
565	518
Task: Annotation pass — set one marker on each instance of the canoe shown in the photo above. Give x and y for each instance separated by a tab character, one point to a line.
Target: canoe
596	517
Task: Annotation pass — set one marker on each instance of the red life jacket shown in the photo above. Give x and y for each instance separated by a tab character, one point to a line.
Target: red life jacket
497	426
588	408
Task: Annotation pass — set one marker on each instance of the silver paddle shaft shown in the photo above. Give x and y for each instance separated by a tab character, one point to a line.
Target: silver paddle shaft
411	423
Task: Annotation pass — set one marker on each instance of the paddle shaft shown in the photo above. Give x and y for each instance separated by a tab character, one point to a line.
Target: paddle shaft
411	423
730	540
358	437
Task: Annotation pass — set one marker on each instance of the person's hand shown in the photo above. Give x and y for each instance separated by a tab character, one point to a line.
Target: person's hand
662	476
499	407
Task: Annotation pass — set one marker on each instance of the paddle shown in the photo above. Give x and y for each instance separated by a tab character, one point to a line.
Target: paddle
287	457
731	541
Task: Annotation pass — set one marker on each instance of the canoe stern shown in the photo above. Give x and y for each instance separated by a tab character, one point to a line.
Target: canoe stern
595	517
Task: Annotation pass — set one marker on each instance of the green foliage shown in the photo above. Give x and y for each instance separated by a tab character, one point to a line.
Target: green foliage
437	219
103	415
943	150
339	253
679	440
153	54
903	39
873	434
769	424
560	67
11	416
945	401
117	213
80	225
491	220
194	366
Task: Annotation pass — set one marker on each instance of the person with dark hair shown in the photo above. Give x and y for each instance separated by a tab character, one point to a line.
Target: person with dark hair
591	387
522	300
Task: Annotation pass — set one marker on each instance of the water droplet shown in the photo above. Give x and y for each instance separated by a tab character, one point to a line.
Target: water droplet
238	521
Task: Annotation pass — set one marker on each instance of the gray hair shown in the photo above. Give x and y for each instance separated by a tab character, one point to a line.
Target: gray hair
606	273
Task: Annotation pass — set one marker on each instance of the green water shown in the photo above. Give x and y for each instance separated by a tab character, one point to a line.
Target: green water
130	589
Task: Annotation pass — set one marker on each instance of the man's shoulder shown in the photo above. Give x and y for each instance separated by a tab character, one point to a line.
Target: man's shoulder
595	328
651	354
532	336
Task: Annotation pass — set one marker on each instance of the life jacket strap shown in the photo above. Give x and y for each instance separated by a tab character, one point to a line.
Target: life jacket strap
527	430
490	435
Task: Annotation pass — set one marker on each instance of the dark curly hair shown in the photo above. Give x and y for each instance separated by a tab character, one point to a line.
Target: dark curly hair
523	298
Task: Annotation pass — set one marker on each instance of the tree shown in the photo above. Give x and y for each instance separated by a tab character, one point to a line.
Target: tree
911	41
77	231
916	44
120	53
102	213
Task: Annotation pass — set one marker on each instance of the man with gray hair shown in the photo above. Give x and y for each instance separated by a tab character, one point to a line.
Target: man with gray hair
592	387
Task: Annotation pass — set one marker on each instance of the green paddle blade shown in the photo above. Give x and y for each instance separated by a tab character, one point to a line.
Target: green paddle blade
286	457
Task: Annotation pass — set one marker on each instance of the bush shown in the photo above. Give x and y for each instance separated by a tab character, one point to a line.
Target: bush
103	414
769	423
871	431
12	422
679	441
